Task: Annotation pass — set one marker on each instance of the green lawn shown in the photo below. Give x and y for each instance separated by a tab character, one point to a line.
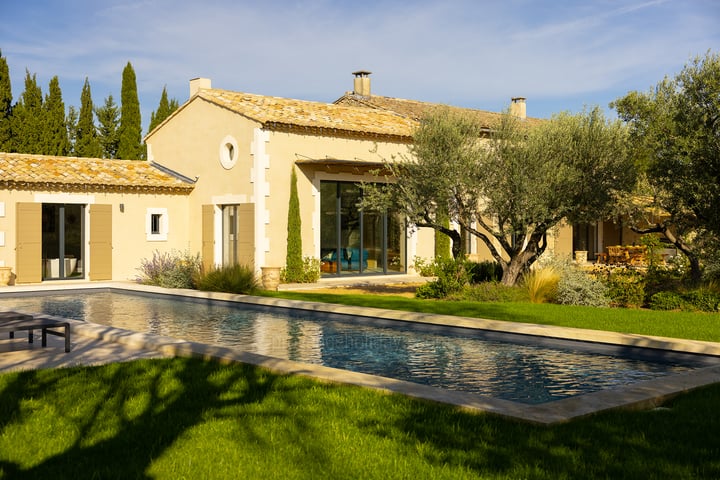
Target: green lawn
696	326
188	418
183	418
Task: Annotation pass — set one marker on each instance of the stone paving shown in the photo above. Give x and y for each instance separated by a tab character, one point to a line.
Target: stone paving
98	344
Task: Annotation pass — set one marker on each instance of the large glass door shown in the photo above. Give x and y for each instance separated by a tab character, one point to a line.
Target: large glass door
62	241
230	228
356	242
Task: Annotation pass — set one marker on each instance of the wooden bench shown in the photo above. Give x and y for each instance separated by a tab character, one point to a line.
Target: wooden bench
14	322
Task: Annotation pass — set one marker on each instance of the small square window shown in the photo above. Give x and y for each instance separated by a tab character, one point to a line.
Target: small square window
156	224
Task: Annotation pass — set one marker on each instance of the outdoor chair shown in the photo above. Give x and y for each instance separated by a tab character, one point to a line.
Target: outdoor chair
12	322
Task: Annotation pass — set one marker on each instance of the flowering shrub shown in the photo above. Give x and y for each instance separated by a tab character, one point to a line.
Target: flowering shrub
170	269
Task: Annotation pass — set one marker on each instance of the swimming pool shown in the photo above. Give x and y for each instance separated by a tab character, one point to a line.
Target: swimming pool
519	368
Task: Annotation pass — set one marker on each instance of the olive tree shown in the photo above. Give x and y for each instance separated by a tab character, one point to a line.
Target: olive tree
508	185
675	134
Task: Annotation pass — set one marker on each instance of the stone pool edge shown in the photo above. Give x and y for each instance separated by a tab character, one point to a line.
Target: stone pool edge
641	395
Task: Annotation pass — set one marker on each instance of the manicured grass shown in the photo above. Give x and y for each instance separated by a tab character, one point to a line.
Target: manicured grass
187	418
696	326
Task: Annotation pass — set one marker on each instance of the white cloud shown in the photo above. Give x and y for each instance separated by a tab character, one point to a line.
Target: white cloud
465	52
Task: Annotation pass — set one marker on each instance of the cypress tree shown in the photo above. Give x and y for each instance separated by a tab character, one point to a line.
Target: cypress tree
293	259
108	124
55	137
6	140
28	119
130	145
71	123
164	110
86	141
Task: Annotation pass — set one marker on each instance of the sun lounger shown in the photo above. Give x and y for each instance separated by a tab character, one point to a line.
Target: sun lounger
14	322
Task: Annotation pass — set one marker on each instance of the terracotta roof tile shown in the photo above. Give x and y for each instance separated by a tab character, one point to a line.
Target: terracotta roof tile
277	111
18	169
415	109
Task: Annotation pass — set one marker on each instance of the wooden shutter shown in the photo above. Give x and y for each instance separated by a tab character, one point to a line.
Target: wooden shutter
100	242
246	234
208	237
28	245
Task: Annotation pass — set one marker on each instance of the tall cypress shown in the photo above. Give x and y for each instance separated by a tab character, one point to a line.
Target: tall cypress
293	259
55	137
86	141
71	123
28	118
130	146
164	110
108	124
6	143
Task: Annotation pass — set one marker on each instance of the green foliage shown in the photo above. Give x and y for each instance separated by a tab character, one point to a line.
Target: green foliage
451	275
541	283
108	125
442	241
527	179
170	269
491	291
55	137
130	146
424	267
667	301
309	272
576	286
674	130
239	279
6	99
626	287
164	110
86	141
485	271
27	120
697	300
294	268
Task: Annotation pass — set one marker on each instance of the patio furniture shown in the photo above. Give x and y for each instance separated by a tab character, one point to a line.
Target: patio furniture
14	322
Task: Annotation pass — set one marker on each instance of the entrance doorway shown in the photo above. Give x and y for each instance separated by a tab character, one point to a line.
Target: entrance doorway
63	231
353	241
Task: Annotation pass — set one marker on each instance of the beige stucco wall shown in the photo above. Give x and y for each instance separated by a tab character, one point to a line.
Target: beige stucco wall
191	143
130	243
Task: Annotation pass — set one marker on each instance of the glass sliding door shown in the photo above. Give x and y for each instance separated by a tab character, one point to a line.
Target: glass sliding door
350	245
230	227
62	241
355	242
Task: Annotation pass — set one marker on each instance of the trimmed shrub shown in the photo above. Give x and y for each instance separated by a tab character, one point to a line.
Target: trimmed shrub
451	278
703	299
485	271
229	279
309	272
667	301
170	270
626	288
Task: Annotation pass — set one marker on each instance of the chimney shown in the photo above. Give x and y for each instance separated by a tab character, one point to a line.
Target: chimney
518	108
361	86
197	84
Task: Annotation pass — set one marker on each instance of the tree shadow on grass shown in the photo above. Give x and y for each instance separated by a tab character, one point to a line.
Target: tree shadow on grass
678	440
129	415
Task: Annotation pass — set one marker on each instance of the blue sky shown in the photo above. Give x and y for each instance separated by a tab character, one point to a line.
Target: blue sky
560	54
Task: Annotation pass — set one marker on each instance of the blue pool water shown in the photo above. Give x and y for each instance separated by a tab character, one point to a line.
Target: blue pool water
512	367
